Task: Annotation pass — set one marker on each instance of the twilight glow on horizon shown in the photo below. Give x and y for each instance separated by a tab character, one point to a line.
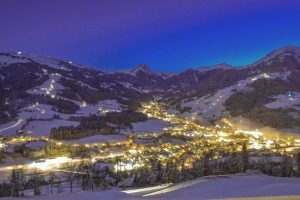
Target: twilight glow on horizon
168	35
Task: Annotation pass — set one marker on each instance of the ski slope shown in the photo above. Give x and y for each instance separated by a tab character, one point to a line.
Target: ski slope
240	186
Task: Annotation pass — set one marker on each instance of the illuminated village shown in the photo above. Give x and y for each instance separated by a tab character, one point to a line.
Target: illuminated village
149	100
183	144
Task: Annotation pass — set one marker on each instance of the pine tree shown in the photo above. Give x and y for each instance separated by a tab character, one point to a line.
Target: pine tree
59	187
286	167
245	157
160	173
14	183
298	164
51	180
1	156
86	177
206	164
36	181
22	181
71	175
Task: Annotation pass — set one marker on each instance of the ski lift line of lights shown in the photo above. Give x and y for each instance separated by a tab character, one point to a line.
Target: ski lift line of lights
50	89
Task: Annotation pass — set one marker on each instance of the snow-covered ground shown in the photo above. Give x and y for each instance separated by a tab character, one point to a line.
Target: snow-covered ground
98	139
39	111
36	145
50	87
151	125
42	128
285	101
10	128
212	106
212	187
100	108
42	115
21	57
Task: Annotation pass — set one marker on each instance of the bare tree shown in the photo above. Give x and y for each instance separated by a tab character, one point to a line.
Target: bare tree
22	181
71	174
245	157
51	180
14	183
36	180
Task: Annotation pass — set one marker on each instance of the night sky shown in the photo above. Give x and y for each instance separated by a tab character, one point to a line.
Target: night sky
168	35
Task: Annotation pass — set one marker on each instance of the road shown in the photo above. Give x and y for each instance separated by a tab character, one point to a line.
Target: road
13	126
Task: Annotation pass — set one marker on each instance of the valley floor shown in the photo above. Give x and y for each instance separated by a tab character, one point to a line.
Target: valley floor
238	187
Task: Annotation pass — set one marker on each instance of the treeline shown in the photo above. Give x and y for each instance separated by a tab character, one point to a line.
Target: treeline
87	176
89	95
13	89
19	181
64	149
61	105
71	133
262	90
125	118
95	176
175	171
121	119
251	104
111	123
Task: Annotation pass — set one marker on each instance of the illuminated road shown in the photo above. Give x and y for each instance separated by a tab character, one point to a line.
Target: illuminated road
198	140
44	165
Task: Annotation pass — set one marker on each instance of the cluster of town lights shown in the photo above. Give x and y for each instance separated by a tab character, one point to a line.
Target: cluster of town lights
199	140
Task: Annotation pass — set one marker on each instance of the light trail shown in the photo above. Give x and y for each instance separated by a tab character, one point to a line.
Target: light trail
73	172
11	167
176	187
147	189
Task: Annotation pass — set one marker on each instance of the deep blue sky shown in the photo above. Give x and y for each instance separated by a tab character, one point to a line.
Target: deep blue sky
169	35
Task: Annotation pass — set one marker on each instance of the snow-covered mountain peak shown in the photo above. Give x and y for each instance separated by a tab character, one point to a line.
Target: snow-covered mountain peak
223	66
141	68
280	54
7	58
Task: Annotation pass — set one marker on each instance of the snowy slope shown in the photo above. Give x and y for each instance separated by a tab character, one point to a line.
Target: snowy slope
212	187
212	106
222	66
8	58
280	54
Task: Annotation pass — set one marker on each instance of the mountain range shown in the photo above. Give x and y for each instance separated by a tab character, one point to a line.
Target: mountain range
266	91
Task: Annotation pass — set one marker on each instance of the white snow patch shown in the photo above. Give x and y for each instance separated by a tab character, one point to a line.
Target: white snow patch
151	125
36	145
211	187
43	128
98	139
212	106
280	54
20	57
110	105
50	87
284	101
